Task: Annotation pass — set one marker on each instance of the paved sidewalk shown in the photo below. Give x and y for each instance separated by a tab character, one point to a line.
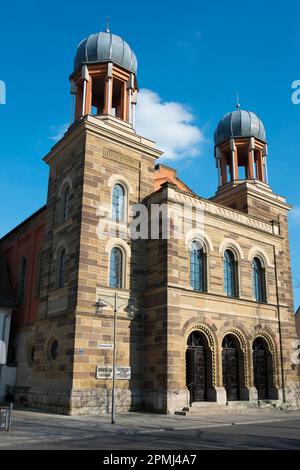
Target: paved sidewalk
30	428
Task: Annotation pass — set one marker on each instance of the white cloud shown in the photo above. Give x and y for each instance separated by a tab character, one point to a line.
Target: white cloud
58	131
169	124
295	216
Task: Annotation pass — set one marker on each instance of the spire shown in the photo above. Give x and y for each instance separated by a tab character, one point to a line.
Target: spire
238	106
107	25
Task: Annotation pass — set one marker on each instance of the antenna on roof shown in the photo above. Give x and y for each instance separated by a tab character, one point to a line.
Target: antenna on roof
107	25
237	101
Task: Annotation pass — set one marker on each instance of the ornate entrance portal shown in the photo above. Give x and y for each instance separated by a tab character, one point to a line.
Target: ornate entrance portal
230	364
196	366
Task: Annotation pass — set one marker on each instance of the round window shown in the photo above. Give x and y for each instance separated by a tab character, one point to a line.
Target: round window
53	350
31	355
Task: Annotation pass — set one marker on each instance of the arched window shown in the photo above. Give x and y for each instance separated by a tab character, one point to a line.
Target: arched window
116	268
21	282
62	269
118	203
258	280
197	268
66	204
230	283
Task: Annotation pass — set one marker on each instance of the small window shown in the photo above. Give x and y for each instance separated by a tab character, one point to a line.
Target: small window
258	280
197	268
118	203
66	204
31	355
52	352
62	269
22	280
116	269
230	274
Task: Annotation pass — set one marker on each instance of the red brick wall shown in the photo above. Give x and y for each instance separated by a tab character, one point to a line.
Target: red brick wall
25	240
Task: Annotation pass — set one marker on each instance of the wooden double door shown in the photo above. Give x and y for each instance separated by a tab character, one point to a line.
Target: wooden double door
230	368
260	369
197	373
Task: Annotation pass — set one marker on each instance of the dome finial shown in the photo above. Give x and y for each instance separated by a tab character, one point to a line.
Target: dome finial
107	25
238	106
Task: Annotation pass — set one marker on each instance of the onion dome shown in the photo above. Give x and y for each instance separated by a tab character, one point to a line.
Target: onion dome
239	123
105	47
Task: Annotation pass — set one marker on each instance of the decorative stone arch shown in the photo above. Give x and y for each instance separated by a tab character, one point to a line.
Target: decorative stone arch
204	242
261	255
122	181
62	245
236	329
195	325
234	247
199	236
117	178
271	343
66	185
230	244
118	242
67	181
257	252
126	253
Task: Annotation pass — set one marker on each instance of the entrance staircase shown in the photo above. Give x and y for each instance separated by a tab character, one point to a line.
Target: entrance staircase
210	407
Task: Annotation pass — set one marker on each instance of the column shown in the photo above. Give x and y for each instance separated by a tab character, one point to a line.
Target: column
108	90
218	165
133	105
223	169
234	161
250	172
79	101
265	164
88	98
73	92
123	104
260	172
87	95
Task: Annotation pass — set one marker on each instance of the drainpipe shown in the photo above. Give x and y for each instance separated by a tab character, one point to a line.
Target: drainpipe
279	325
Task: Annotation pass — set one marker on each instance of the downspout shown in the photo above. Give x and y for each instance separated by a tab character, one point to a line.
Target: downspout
279	325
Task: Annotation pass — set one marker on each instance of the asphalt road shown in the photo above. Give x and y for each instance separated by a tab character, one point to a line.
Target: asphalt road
279	434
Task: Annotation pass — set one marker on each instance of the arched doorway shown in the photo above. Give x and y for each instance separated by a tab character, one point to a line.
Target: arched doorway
198	363
230	367
262	368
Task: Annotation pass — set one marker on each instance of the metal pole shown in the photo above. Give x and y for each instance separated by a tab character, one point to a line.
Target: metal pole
113	404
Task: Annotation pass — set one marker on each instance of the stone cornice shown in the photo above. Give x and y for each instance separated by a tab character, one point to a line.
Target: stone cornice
171	194
110	131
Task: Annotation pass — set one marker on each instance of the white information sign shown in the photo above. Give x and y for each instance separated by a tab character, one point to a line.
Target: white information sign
123	373
104	372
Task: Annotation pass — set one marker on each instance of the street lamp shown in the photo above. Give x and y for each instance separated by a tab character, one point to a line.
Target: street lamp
100	304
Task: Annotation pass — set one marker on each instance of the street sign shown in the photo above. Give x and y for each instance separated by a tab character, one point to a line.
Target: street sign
123	373
104	372
105	346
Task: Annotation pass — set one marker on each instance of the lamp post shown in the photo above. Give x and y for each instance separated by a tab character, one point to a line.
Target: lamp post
115	307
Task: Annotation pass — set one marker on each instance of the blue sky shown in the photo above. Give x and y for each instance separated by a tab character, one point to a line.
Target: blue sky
193	53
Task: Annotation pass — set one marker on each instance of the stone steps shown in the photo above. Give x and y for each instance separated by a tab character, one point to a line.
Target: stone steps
200	408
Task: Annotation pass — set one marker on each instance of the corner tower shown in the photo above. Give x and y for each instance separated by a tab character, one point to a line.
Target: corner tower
99	170
104	77
241	154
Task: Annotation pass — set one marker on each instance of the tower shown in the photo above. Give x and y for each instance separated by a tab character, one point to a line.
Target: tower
104	77
98	170
241	153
